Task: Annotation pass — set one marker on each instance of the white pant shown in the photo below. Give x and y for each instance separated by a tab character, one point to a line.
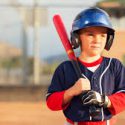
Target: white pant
67	123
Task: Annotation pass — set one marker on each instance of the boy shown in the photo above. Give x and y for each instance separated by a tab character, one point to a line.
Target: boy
103	84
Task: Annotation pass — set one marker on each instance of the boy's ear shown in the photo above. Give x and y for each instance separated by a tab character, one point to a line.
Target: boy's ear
75	41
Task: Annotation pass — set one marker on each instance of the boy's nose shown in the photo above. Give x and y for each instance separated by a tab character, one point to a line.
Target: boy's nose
97	39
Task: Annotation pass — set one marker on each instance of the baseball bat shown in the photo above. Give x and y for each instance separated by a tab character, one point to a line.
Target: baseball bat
70	53
66	43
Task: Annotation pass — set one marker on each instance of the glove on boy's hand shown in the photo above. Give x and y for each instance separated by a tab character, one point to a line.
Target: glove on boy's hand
94	98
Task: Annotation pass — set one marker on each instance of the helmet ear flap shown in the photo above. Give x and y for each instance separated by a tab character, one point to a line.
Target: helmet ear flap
110	37
74	40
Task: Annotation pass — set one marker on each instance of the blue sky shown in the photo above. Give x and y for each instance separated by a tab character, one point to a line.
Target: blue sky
50	45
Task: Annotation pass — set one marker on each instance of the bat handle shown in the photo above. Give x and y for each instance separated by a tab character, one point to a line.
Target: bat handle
77	68
93	110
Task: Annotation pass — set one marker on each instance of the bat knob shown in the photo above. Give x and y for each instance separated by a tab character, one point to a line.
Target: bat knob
94	111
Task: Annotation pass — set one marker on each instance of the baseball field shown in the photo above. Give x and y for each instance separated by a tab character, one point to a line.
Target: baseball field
25	105
35	113
28	113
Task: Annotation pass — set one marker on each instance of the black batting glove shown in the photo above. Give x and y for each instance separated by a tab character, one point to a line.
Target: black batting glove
91	97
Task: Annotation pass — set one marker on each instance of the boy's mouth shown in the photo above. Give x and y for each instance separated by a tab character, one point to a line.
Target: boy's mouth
95	46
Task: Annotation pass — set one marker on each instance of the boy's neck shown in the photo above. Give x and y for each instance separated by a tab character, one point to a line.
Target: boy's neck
89	59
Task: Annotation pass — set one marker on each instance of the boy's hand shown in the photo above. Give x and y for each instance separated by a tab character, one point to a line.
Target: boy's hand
94	98
80	86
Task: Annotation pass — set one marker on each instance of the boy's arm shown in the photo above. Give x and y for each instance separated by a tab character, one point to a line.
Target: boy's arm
60	100
55	100
117	103
81	85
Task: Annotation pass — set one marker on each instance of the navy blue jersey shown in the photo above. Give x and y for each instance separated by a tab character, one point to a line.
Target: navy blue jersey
109	78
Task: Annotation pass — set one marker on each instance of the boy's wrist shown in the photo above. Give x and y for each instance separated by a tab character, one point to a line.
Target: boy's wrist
71	92
68	95
109	103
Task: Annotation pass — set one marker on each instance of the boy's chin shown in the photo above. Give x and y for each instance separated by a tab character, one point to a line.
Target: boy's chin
95	53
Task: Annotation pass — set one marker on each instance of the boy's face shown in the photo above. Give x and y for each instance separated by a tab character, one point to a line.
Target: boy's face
93	40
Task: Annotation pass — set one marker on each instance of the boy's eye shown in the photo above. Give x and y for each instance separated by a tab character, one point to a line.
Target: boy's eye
103	35
90	34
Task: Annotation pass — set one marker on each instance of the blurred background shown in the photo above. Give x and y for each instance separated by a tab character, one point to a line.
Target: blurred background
30	50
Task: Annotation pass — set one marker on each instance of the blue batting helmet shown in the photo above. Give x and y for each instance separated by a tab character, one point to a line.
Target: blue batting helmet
88	18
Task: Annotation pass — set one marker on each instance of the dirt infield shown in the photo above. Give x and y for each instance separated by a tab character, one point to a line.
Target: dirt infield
28	113
35	113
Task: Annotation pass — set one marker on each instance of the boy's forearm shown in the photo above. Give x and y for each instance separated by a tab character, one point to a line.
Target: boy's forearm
68	95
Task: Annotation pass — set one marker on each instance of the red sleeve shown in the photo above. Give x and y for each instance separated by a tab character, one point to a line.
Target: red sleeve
118	103
54	101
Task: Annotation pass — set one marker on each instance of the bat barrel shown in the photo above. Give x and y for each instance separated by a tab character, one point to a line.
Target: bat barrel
64	37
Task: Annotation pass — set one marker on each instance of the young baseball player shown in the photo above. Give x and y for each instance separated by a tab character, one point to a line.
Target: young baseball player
99	94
